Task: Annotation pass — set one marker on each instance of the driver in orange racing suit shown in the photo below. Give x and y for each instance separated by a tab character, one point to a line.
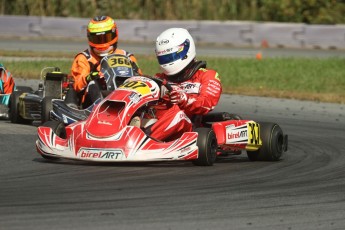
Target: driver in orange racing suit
196	91
102	34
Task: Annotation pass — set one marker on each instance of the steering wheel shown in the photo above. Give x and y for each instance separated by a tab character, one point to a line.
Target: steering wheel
161	82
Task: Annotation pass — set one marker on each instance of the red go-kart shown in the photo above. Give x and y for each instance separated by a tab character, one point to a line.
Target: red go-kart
109	135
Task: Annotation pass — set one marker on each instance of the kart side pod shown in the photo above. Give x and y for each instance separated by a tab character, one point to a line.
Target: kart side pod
238	134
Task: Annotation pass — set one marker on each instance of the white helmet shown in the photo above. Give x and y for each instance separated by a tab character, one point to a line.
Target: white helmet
175	49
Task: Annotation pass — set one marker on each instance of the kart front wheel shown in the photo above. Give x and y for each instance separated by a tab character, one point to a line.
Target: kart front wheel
14	108
46	108
274	143
207	144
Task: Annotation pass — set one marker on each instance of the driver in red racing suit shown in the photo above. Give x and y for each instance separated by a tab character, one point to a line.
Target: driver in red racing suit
196	89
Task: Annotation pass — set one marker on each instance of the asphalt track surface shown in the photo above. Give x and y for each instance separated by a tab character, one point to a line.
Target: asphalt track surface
305	190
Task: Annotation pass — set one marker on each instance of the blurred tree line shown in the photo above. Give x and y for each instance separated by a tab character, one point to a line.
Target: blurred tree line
298	11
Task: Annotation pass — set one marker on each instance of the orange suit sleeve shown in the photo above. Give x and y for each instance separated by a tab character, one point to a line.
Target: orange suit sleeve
79	71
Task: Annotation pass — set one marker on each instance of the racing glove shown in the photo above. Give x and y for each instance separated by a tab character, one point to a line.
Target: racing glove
178	97
92	76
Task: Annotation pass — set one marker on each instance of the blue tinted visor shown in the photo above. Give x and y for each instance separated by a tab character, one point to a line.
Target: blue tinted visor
178	55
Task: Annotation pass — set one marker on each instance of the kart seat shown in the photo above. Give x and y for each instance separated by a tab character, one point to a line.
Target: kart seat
219	116
142	122
71	97
147	122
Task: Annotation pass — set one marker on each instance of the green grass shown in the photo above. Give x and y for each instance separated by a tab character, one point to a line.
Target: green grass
298	78
284	74
32	69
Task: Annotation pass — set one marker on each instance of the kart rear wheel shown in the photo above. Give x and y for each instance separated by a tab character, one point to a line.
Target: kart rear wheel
59	129
14	108
46	106
207	144
272	143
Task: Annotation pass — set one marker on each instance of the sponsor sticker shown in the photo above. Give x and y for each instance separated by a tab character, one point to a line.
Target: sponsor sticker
189	87
107	154
236	135
135	98
163	42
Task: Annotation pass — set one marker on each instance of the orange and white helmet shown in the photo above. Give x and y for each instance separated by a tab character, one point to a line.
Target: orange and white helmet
175	49
102	35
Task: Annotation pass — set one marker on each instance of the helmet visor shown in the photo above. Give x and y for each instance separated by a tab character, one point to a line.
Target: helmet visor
180	54
102	37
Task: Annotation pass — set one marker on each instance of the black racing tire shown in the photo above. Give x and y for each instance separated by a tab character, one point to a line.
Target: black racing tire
272	143
14	108
207	144
46	107
59	129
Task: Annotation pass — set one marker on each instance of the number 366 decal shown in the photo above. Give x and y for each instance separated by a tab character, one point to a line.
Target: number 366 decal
118	61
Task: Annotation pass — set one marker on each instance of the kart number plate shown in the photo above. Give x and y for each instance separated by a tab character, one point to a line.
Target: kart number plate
139	86
118	61
254	141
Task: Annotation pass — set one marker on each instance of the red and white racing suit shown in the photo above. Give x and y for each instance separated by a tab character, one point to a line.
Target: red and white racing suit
203	90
